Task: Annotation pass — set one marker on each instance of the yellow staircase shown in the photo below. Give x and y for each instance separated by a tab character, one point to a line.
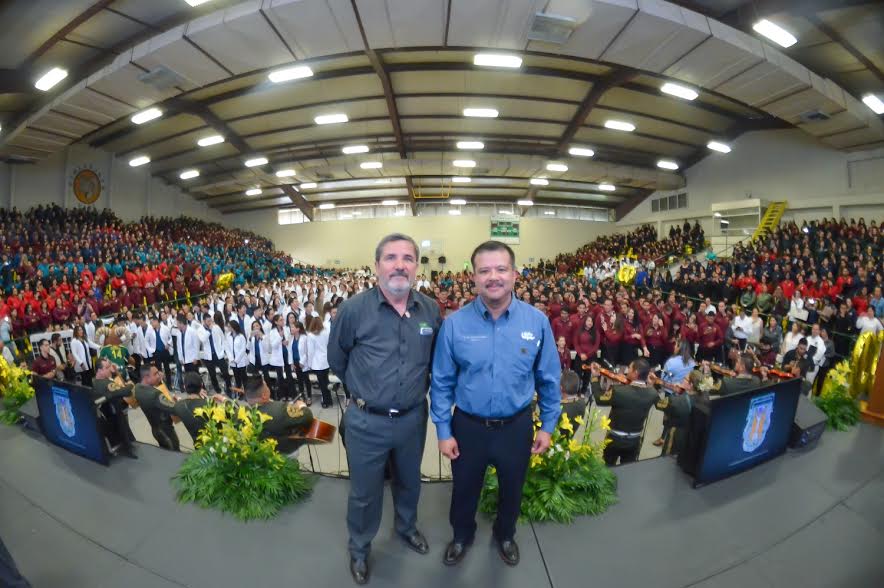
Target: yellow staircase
770	220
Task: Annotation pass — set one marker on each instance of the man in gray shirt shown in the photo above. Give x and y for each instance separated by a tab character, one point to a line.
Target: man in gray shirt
380	346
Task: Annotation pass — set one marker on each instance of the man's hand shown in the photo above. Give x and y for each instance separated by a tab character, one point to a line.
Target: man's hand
595	369
449	448
300	404
542	442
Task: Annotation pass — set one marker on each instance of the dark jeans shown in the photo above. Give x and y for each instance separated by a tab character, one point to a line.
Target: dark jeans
507	448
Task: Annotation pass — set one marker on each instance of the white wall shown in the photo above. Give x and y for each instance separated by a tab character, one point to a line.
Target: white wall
130	192
351	243
789	165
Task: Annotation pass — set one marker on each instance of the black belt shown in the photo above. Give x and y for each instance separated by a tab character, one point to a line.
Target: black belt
493	423
393	413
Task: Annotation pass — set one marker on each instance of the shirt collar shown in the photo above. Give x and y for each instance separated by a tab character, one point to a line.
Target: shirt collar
486	314
412	300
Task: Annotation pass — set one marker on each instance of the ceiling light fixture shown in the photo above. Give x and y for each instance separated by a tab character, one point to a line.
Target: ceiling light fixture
874	103
480	112
327	206
775	33
607	187
285	173
461	179
525	202
720	147
581	151
679	91
497	60
371	164
196	2
549	212
290	73
463	163
308	185
140	160
556	166
189	174
474	145
619	125
330	119
210	140
389	202
253	192
256	161
667	164
50	78
142	117
457	201
353	149
539	182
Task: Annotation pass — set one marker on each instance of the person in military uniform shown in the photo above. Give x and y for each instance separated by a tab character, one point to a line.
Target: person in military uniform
288	418
572	404
150	399
194	397
743	378
676	409
630	404
108	385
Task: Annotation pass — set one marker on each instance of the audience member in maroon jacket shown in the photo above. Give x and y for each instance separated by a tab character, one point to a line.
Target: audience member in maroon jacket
564	353
656	341
562	327
586	344
44	317
633	338
690	331
710	340
61	312
44	364
612	332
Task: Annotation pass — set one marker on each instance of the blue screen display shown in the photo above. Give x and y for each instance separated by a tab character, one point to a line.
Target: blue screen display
69	419
747	429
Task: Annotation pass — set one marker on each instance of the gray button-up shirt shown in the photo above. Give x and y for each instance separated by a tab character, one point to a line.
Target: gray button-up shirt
382	357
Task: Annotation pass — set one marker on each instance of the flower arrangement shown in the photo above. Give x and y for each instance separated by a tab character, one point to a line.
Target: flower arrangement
15	388
234	470
569	480
835	399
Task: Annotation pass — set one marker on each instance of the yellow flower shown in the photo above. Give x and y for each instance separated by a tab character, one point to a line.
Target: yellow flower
219	415
264	417
579	420
200	412
565	423
574	445
536	460
606	424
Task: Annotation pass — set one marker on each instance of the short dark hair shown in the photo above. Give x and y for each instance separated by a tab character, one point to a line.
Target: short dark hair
392	237
253	388
642	368
56	337
570	382
145	370
193	383
493	246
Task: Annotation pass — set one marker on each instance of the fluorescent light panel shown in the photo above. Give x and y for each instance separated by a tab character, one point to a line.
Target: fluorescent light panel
461	179
607	187
256	161
189	174
196	2
463	163
497	60
307	185
285	173
480	112
457	201
470	145
353	149
775	33
371	164
619	125
549	212
253	192
210	140
327	206
50	78
717	146
525	202
140	160
581	151
146	115
539	182
556	166
290	73
874	103
389	202
679	91
330	119
667	164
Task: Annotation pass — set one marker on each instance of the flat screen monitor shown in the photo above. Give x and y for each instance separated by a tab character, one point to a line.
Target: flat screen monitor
69	419
747	429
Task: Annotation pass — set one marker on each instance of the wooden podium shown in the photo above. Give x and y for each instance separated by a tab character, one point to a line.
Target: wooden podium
873	410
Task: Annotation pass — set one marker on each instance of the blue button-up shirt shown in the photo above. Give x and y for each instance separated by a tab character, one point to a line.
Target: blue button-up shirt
491	368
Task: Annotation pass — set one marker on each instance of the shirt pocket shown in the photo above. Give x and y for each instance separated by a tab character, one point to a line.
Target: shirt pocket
524	354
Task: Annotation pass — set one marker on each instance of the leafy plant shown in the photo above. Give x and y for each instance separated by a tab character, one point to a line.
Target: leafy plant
835	399
570	480
234	470
15	388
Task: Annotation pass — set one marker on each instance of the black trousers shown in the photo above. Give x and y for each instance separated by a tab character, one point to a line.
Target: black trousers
626	450
508	449
219	364
705	353
322	378
163	362
86	377
263	371
304	386
239	377
611	352
288	389
277	391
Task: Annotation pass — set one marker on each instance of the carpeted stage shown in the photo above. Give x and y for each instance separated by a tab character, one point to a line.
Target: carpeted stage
806	519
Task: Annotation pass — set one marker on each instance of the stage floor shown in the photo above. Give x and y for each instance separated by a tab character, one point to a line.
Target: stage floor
806	519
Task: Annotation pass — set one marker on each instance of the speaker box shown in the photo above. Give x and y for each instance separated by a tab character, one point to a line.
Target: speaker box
810	422
442	260
425	260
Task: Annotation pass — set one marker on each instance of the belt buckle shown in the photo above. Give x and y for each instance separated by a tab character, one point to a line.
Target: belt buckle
494	423
393	412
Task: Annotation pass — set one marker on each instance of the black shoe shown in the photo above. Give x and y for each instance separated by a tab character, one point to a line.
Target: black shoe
359	570
509	552
417	542
454	553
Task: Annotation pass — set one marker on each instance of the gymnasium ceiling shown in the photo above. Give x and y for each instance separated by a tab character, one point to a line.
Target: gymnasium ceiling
403	73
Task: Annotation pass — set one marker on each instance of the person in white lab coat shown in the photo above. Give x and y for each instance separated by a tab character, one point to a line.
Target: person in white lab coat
258	353
317	356
275	341
213	342
238	349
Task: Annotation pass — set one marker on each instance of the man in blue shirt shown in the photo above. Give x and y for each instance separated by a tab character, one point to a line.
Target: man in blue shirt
490	357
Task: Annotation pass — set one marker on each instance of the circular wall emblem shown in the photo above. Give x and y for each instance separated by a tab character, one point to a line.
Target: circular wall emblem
87	186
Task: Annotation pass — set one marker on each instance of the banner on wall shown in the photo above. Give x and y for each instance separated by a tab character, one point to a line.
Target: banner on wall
86	184
505	229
